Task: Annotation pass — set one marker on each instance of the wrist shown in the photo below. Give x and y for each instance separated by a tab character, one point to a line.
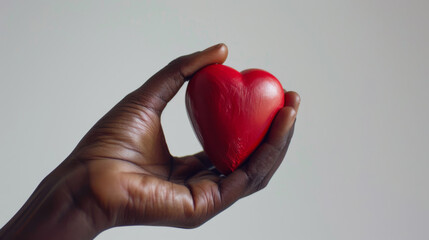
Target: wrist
62	207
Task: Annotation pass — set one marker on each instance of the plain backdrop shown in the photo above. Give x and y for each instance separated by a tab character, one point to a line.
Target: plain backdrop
357	166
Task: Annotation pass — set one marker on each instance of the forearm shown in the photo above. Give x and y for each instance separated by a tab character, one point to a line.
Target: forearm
58	209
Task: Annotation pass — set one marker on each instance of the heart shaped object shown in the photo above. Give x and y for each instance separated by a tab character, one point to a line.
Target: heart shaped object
231	111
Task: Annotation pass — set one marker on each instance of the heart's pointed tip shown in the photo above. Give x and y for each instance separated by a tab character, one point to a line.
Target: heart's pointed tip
225	171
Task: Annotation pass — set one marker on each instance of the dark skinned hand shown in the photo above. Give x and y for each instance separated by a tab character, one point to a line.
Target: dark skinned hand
121	172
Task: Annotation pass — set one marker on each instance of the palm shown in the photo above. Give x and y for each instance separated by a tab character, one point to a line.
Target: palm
132	169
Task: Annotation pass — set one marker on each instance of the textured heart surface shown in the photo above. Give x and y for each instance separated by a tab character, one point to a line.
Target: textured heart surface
231	112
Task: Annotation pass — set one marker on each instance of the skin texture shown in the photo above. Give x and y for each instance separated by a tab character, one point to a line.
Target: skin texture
121	172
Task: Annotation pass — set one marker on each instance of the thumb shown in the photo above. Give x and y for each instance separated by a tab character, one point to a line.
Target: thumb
161	87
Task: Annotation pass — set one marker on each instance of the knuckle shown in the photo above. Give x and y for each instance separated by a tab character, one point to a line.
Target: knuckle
178	61
194	224
176	69
255	181
262	185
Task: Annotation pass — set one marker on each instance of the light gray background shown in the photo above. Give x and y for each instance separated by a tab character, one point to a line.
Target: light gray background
357	166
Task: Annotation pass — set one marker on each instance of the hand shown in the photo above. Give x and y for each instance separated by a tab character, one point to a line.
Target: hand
121	173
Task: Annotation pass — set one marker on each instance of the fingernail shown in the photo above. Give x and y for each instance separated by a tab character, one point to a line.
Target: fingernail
213	47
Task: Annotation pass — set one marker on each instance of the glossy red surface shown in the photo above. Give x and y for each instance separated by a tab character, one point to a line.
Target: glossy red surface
231	111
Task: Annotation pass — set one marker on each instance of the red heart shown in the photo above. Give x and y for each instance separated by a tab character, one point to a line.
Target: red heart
231	111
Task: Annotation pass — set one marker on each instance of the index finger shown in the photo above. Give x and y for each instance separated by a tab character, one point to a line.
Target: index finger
161	87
